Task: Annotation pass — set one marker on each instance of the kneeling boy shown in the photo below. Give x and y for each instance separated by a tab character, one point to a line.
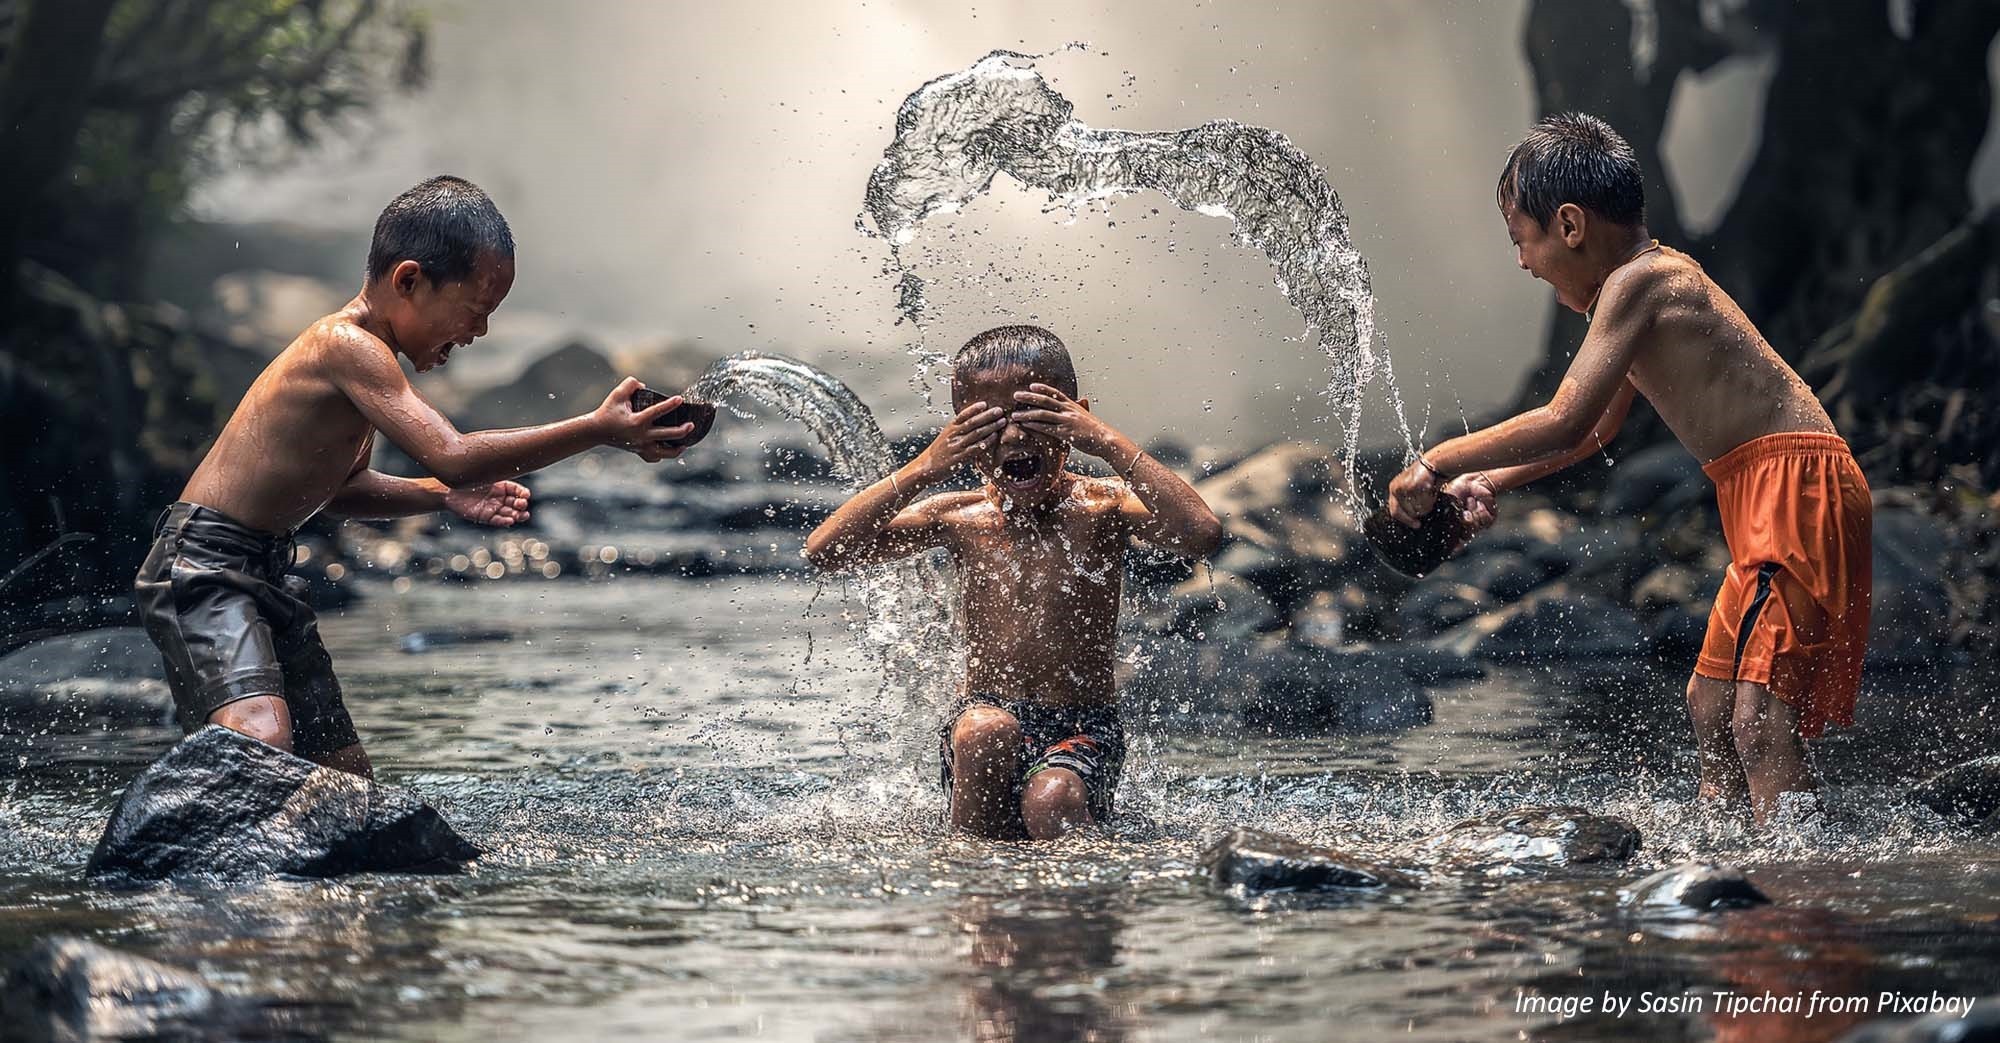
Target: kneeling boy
1033	744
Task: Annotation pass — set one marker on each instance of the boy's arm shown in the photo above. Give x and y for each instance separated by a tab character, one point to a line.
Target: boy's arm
1160	507
1587	392
878	524
1505	478
366	372
372	494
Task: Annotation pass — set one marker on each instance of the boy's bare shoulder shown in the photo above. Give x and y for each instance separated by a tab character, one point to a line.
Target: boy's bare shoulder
338	342
1653	286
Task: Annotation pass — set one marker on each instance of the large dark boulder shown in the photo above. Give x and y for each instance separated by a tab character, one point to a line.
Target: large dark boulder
224	806
1259	862
1530	836
1659	480
1691	887
1911	608
1553	623
1968	792
69	989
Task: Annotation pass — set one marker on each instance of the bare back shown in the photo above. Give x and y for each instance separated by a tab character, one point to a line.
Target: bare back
1711	376
1041	593
294	440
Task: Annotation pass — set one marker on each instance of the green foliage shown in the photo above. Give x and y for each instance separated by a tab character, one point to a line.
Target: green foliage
185	88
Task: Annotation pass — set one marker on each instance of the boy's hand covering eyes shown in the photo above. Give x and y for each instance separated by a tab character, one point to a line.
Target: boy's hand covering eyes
633	431
501	504
1046	410
972	432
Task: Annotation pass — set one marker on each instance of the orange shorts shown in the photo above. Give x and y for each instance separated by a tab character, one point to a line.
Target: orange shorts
1793	611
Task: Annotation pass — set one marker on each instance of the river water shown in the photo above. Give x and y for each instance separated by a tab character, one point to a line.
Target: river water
702	823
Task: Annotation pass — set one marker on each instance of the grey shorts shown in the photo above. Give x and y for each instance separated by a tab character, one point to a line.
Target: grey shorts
212	597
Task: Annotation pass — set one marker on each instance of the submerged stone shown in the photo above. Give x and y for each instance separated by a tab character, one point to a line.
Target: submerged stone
1692	886
66	988
1559	836
1969	792
1259	862
222	805
1952	1024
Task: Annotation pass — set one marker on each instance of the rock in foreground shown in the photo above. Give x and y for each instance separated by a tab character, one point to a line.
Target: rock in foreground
1523	837
1969	792
65	988
1692	887
224	806
1261	862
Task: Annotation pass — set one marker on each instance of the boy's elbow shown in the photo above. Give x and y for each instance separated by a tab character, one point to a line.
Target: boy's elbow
820	551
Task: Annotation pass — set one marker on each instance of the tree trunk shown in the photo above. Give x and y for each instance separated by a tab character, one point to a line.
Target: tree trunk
43	90
1867	143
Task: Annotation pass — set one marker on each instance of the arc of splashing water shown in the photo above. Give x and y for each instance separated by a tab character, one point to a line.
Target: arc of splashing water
957	132
911	608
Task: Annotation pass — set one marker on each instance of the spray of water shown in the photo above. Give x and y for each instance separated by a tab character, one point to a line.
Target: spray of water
911	606
955	133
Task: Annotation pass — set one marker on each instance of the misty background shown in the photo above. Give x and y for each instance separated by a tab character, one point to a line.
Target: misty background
683	180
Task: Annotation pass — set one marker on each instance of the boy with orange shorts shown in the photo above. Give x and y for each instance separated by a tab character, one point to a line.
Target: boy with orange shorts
1782	657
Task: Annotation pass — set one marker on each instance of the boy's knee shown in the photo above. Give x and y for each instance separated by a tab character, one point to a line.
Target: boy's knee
1056	789
264	718
984	731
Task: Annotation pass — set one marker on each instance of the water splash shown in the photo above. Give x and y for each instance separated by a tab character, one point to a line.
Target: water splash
911	606
955	133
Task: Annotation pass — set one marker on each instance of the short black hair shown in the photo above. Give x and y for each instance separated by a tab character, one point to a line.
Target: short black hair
1032	348
443	224
1576	158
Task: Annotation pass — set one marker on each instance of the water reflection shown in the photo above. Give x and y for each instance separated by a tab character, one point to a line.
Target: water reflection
1038	967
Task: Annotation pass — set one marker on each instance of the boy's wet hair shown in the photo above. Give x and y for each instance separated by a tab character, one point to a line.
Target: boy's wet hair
443	224
1576	158
1032	348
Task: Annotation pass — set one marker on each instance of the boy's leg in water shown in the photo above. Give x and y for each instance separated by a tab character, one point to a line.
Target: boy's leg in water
268	719
986	759
1711	702
265	718
1054	803
1766	733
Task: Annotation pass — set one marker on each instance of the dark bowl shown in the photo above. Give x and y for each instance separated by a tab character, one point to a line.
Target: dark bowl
701	414
1416	552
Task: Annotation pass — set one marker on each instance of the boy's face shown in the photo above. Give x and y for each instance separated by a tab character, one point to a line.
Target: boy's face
1553	254
432	319
1024	465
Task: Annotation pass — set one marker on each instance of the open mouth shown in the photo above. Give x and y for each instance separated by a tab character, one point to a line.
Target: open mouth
1020	470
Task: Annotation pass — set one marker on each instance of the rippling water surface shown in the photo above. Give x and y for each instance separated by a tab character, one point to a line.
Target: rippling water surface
703	824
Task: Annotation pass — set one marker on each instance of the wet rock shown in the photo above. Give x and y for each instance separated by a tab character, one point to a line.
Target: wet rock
1295	690
69	989
1505	574
1667	586
1437	604
105	676
419	641
1969	792
569	380
1954	1025
1321	622
1260	862
1551	624
1692	887
1217	606
1282	499
1658	480
1526	836
224	806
